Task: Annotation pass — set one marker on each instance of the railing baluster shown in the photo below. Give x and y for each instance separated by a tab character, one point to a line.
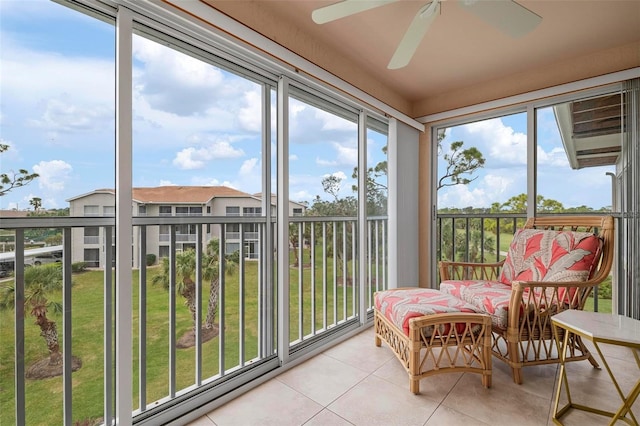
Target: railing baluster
369	264
142	321
377	244
354	277
324	276
300	281
221	301
344	271
241	303
198	325
19	299
172	312
313	277
335	272
67	308
384	255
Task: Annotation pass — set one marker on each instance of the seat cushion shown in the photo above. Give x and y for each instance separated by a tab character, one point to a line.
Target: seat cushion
545	255
402	304
490	297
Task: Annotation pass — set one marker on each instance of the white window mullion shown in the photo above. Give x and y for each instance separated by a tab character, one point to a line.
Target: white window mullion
283	219
363	249
124	222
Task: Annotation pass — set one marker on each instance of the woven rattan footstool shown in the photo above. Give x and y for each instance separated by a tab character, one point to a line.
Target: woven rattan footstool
432	332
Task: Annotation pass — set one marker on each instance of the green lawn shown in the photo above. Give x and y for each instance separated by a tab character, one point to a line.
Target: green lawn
44	397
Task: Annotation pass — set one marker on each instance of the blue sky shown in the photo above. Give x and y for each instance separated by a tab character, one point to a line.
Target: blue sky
195	124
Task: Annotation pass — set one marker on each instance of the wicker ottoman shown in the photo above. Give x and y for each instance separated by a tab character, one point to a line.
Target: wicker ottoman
432	332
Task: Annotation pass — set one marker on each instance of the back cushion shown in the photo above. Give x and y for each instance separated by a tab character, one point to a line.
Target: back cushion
542	255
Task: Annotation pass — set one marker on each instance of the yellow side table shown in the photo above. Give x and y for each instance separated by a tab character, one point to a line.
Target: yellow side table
598	328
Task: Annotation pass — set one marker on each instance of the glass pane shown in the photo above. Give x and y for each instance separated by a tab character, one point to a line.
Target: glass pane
197	147
323	158
578	144
482	171
58	121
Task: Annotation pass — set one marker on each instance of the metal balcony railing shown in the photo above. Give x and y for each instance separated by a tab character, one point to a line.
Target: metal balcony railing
194	352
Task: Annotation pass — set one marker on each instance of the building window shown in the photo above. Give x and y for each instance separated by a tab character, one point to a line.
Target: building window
252	211
189	211
163	251
297	211
109	210
142	210
233	211
92	235
92	257
165	210
92	210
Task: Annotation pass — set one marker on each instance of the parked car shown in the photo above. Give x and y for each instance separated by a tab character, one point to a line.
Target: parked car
53	257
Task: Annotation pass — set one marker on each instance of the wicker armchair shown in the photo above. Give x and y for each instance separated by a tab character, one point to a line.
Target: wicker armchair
524	335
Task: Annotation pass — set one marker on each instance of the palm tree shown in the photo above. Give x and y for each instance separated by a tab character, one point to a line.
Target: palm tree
211	271
40	283
185	285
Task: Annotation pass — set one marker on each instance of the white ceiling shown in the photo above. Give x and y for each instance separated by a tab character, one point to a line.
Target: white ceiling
459	50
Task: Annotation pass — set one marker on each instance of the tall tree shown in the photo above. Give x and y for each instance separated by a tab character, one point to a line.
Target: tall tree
36	202
460	165
41	283
211	272
11	180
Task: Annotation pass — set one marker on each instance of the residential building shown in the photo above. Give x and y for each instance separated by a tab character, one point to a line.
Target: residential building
88	243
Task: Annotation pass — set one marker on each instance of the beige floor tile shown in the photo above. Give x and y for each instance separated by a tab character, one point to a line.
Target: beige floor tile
435	387
322	378
202	421
375	401
272	403
361	352
327	418
445	416
504	404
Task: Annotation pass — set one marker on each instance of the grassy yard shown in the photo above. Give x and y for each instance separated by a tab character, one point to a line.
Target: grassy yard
44	397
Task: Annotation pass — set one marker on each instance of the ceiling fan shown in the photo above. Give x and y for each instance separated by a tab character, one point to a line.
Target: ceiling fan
506	15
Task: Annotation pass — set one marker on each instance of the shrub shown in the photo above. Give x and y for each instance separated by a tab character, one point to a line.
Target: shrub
78	267
151	259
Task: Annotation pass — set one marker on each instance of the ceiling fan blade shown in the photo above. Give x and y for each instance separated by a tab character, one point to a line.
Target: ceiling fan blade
345	8
412	38
506	15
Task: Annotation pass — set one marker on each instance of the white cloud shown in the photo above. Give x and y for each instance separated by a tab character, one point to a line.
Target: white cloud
499	142
248	167
293	157
196	158
333	122
172	81
325	163
66	116
166	183
250	115
53	174
338	174
557	157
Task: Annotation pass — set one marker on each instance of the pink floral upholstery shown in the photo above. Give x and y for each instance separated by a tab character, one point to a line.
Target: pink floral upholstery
543	255
491	297
400	305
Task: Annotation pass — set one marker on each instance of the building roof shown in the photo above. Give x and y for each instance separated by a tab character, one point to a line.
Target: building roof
184	194
14	213
174	194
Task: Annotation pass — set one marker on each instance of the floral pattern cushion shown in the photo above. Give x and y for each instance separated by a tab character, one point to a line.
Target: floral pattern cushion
545	255
491	297
400	305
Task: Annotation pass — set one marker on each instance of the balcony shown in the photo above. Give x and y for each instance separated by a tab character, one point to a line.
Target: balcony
357	383
172	362
322	311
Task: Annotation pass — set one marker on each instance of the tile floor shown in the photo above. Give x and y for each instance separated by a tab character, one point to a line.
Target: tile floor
357	383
